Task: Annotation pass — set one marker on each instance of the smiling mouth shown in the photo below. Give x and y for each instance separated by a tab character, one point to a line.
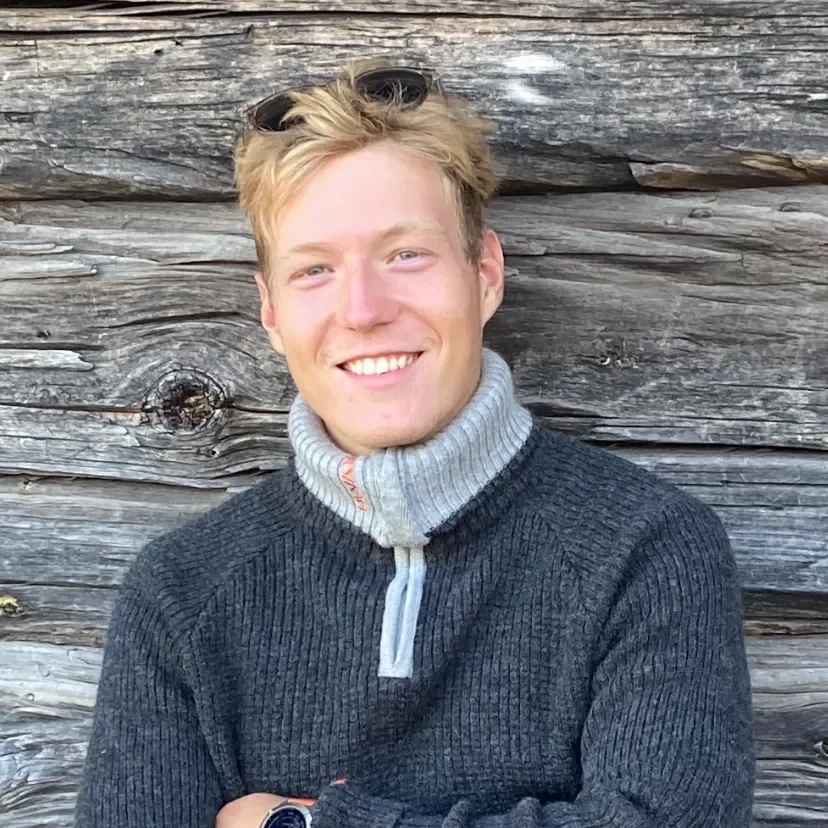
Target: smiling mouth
371	367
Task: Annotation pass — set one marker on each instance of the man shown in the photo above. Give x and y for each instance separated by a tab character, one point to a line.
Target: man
440	613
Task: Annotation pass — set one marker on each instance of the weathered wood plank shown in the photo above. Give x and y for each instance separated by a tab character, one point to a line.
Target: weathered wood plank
789	681
86	532
40	766
781	613
580	9
153	366
47	695
790	794
660	100
46	700
63	614
48	680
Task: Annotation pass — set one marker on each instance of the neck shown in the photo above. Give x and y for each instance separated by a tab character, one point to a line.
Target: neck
356	450
398	495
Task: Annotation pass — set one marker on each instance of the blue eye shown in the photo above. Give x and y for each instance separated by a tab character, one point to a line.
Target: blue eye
307	270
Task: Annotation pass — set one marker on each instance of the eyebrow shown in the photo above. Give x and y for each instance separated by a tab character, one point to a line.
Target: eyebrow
393	232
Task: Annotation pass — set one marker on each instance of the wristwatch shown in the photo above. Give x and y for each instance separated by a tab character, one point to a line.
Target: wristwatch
288	815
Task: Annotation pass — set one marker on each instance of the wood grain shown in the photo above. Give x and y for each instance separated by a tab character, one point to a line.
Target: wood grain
578	9
115	105
685	332
628	318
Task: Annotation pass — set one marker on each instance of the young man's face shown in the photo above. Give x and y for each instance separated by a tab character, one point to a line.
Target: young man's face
362	293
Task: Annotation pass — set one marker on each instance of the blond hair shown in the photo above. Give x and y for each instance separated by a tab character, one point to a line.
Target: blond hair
270	167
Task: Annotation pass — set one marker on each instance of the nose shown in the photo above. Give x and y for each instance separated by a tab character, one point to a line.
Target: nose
365	300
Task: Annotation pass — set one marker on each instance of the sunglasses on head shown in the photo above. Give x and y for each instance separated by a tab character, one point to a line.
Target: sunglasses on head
409	87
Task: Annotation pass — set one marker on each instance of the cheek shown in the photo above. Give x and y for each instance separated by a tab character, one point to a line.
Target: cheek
302	324
447	301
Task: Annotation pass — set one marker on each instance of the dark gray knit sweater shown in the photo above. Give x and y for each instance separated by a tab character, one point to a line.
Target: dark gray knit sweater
574	653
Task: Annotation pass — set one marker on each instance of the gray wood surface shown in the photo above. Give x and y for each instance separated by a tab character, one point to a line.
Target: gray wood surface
747	10
685	332
699	96
47	695
694	319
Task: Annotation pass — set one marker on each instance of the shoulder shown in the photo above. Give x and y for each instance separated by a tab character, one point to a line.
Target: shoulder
182	568
605	505
579	478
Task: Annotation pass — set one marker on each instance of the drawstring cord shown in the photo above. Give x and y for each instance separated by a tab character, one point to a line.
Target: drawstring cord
402	609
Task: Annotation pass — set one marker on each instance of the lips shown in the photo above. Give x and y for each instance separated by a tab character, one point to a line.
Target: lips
384	364
386	379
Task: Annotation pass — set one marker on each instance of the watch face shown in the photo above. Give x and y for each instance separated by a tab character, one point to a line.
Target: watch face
286	817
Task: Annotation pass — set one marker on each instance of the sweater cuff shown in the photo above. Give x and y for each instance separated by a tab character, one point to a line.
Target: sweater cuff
345	806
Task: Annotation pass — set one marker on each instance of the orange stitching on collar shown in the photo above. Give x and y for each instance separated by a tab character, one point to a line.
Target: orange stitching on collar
346	475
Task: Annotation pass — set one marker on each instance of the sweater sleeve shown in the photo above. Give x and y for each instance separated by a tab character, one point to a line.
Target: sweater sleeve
147	764
668	740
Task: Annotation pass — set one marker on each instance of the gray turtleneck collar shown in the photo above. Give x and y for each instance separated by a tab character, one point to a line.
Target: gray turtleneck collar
399	495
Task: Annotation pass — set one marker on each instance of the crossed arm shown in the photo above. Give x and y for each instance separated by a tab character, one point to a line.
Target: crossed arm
667	742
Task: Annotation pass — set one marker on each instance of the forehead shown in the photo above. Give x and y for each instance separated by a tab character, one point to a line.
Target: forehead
356	197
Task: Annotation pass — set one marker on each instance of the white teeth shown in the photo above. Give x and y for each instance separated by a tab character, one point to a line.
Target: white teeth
380	365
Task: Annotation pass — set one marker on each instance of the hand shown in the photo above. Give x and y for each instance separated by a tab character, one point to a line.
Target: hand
250	810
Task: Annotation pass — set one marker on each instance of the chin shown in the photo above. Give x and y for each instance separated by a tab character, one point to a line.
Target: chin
381	438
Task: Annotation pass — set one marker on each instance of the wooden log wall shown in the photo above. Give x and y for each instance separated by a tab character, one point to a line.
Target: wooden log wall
664	216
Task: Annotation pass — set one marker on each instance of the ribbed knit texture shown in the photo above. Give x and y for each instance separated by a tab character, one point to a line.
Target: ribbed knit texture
401	494
580	662
398	495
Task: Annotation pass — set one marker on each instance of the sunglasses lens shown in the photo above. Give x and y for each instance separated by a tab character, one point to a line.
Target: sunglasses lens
269	114
387	85
408	86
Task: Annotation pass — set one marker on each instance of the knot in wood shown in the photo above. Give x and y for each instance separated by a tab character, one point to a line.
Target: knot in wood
9	606
184	400
700	213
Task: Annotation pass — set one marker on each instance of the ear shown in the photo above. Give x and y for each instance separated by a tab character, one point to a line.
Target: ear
491	272
268	314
